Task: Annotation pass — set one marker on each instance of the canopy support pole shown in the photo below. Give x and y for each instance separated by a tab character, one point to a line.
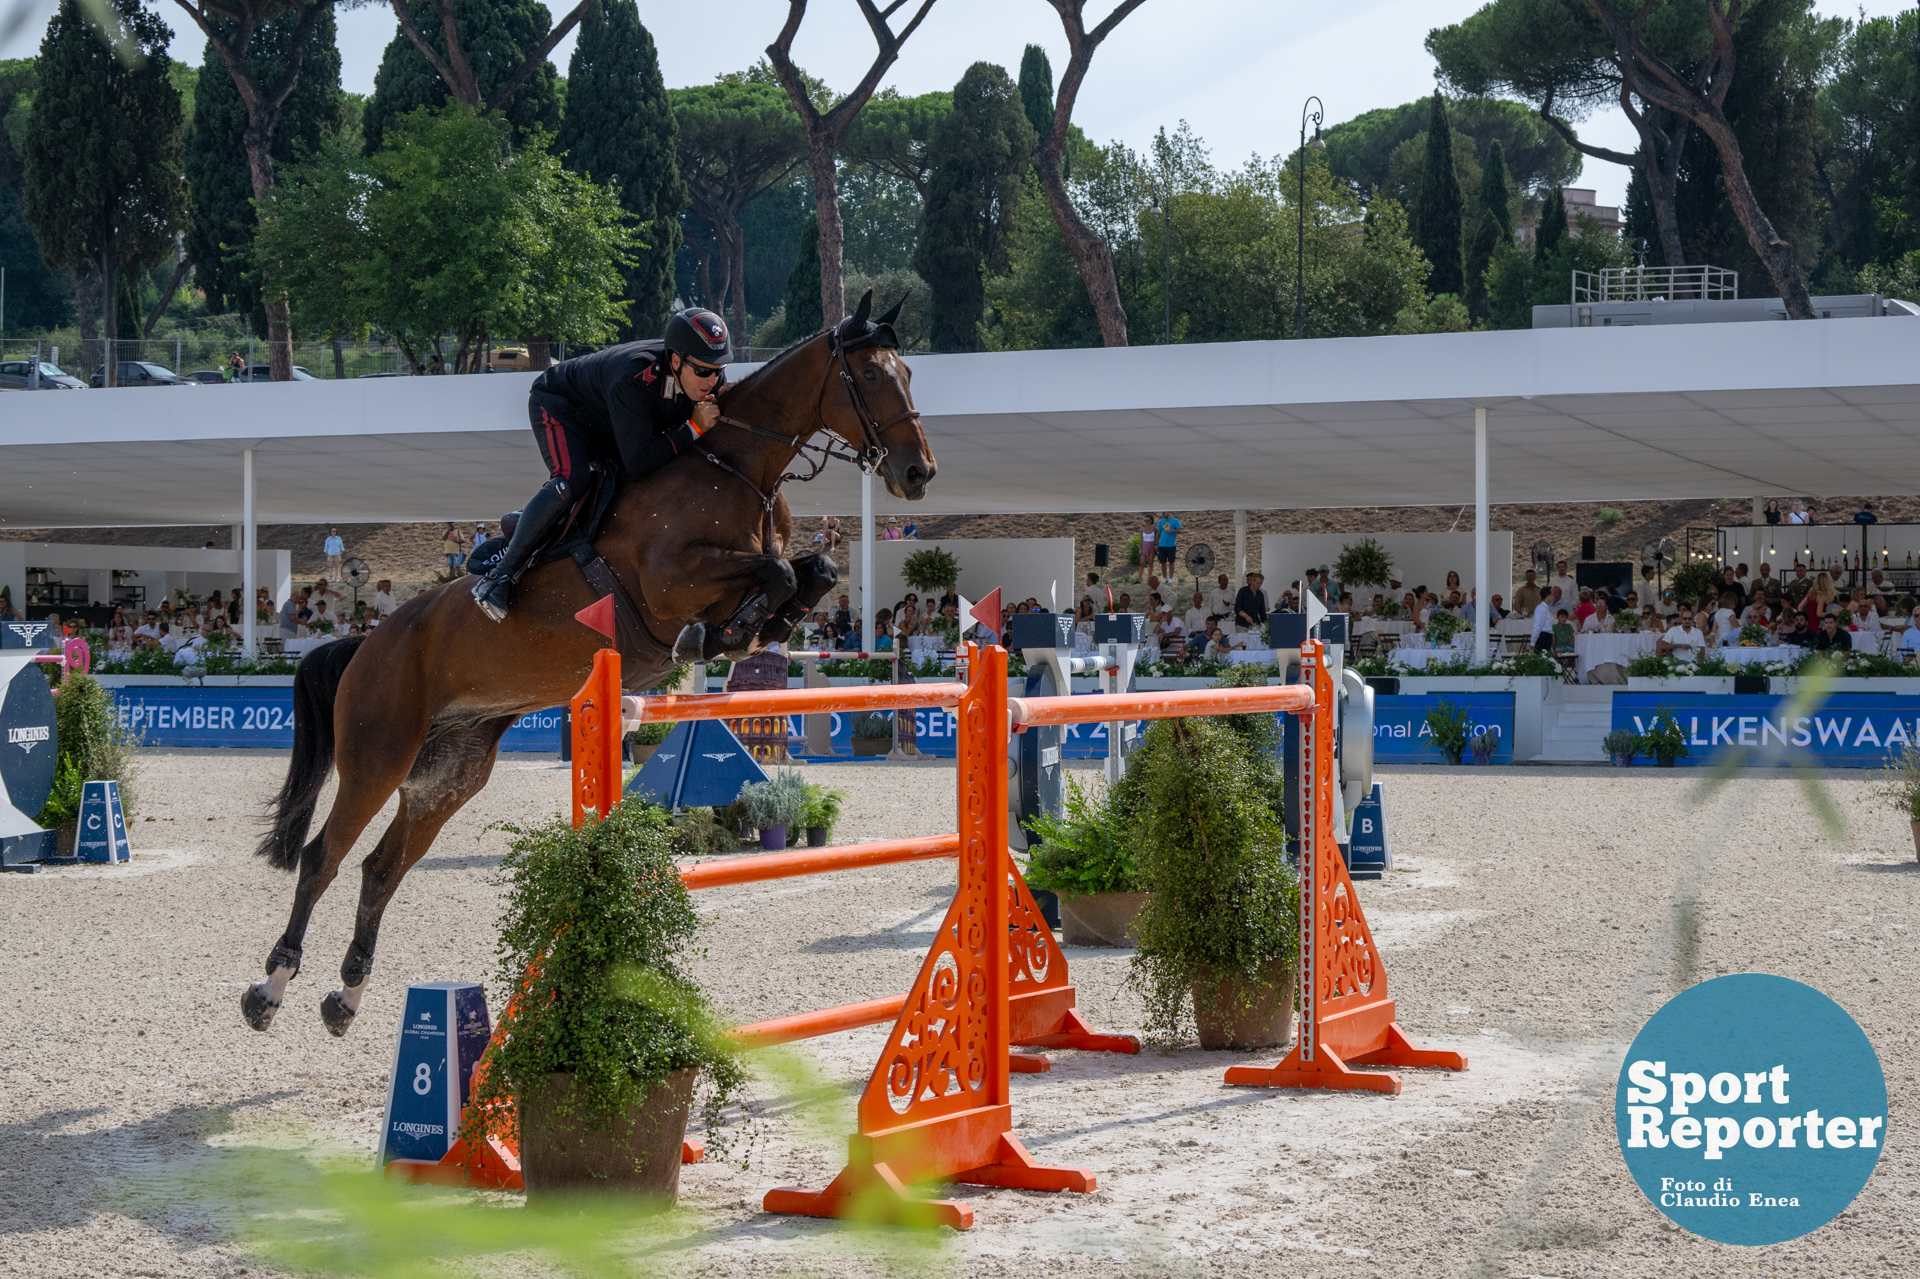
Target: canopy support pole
1482	571
868	640
1240	548
249	536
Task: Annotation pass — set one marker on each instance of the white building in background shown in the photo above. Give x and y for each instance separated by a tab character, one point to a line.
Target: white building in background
80	574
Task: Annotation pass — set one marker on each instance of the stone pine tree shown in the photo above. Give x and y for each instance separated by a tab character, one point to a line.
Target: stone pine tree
497	62
102	148
980	157
219	238
619	130
1436	222
803	286
1036	89
1553	225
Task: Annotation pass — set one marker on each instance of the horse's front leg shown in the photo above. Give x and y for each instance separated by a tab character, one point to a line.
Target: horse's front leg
731	595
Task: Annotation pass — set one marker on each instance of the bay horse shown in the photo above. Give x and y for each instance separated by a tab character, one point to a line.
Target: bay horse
419	704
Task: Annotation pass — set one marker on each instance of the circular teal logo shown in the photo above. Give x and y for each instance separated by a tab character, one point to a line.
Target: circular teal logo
1751	1109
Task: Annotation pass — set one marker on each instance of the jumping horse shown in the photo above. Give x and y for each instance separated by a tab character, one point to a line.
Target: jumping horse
419	704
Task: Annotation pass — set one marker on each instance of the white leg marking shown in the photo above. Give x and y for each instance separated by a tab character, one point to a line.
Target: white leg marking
275	986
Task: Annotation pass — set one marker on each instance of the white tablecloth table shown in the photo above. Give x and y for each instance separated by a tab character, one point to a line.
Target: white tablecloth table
1250	657
1418	658
1741	656
307	645
1385	625
1592	649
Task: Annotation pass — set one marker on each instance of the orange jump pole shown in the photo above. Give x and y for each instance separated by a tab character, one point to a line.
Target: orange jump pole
815	861
1346	1016
938	1106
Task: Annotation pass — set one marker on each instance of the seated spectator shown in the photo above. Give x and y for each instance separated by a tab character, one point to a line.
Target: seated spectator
1529	595
1125	603
1829	636
1584	609
1910	641
1379	607
1599	621
148	632
1499	613
6	609
1683	640
1562	633
168	640
883	629
1218	643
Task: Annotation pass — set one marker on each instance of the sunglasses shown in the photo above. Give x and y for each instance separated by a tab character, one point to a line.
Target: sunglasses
698	370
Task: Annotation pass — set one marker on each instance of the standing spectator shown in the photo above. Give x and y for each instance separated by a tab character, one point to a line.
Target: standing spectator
235	366
892	532
450	546
1528	597
383	601
335	548
1798	515
1093	591
1543	620
1250	605
1773	513
1732	594
1865	514
1168	528
1149	541
1569	589
1649	586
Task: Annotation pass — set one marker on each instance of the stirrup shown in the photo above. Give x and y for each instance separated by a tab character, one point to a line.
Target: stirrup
484	592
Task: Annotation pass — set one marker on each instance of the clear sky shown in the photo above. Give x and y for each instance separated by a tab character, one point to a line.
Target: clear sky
1236	70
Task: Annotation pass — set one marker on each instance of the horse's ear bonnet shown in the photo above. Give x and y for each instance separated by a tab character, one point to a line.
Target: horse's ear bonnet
858	330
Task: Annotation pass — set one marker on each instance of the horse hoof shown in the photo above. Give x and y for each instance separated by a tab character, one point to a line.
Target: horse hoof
691	645
334	1011
257	1008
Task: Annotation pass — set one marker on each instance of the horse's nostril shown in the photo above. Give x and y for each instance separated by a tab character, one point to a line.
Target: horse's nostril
916	476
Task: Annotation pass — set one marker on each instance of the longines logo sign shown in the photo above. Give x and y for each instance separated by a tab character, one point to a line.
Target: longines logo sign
28	738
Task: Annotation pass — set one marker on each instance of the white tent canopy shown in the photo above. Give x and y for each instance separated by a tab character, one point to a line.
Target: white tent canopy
1573	415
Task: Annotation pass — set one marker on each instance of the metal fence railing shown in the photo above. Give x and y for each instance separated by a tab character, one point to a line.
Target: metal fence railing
1656	283
207	358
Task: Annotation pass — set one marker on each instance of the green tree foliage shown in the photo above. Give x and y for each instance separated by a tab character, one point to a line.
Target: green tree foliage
38	297
1516	282
980	159
497	35
735	139
1869	119
450	228
1234	253
220	236
803	312
1384	149
887	163
1553	225
1487	238
102	148
619	132
1036	89
1437	214
1496	195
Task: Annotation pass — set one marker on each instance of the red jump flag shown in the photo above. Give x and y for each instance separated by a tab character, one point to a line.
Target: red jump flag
599	616
987	612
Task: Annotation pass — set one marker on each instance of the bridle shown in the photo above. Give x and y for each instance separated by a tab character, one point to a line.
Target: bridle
872	430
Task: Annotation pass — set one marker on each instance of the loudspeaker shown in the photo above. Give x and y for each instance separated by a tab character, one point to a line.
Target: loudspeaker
1751	685
1099	554
1587	551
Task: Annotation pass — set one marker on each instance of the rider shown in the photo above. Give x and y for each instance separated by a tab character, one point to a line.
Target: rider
638	406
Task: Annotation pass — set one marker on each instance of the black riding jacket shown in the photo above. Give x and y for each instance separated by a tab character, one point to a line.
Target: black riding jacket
626	403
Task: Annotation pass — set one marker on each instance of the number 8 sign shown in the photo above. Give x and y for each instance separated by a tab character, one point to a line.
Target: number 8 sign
443	1031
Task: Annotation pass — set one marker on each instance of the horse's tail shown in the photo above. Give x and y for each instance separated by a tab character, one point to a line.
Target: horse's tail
315	685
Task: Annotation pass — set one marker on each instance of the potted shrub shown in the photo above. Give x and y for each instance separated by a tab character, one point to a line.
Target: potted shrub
823	813
93	748
1363	563
1621	745
1219	932
606	1037
1665	740
872	734
775	806
1451	725
646	739
1085	857
1899	785
932	569
1484	746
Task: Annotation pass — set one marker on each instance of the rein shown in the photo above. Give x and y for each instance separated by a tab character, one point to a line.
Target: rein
871	431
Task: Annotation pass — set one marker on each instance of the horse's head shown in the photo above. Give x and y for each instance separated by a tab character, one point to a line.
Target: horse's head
881	400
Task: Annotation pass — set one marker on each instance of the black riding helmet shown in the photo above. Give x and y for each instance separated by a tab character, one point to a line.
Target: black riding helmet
698	334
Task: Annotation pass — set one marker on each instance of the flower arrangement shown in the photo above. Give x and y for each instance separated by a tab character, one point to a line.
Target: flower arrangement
932	569
1363	563
1442	626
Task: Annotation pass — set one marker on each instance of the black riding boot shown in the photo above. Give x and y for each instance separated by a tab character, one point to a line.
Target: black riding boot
494	592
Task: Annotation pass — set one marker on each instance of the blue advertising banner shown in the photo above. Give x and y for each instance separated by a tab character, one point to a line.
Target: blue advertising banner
936	728
189	716
1848	730
1401	736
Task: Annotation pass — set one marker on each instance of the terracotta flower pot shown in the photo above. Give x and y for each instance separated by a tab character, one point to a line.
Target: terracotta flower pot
865	746
643	753
1236	1017
641	1156
1100	919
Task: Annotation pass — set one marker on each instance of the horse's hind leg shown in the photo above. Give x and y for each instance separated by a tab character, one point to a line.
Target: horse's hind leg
368	774
451	769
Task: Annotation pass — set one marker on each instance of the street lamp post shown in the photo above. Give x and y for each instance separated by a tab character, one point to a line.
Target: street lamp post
1162	204
1300	261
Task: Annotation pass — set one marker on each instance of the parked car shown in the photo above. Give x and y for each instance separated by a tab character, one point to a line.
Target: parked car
139	373
264	373
14	376
207	377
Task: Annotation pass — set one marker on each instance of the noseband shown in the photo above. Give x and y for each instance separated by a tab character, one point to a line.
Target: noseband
872	430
